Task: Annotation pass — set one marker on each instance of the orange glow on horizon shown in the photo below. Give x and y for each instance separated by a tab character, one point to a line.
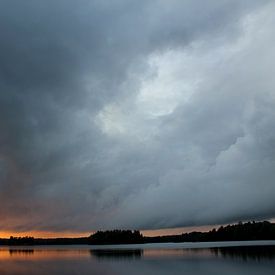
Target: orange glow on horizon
148	233
44	234
68	234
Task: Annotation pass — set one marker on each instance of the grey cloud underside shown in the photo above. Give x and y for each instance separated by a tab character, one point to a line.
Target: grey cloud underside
137	114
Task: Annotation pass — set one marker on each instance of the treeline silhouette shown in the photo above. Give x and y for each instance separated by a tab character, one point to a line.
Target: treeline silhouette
116	237
21	241
236	232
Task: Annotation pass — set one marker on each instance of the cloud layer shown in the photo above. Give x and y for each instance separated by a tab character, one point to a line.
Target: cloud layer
137	114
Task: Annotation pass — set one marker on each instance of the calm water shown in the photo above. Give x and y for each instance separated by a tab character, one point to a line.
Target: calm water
196	259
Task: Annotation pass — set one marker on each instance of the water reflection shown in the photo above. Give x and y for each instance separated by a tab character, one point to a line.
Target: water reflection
21	252
246	253
177	261
117	254
41	254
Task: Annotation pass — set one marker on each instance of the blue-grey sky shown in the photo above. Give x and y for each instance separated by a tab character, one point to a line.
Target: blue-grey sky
136	114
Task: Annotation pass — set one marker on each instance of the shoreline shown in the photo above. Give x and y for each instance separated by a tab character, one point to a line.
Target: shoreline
168	245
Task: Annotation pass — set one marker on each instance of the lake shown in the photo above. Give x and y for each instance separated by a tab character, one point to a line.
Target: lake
180	258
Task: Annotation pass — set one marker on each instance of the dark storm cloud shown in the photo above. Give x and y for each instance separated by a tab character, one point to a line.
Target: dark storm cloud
138	114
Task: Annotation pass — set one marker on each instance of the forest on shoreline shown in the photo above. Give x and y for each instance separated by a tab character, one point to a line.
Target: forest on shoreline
236	232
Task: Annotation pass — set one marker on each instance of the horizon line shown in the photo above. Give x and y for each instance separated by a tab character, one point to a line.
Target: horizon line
147	232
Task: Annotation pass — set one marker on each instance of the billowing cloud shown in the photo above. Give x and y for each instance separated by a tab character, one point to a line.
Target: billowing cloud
137	114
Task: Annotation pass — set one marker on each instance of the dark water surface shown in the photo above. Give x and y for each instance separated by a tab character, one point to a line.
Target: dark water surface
195	259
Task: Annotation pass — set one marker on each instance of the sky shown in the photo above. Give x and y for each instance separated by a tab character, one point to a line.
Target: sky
136	114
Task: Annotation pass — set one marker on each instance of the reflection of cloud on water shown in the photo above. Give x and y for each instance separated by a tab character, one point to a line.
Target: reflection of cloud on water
177	253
